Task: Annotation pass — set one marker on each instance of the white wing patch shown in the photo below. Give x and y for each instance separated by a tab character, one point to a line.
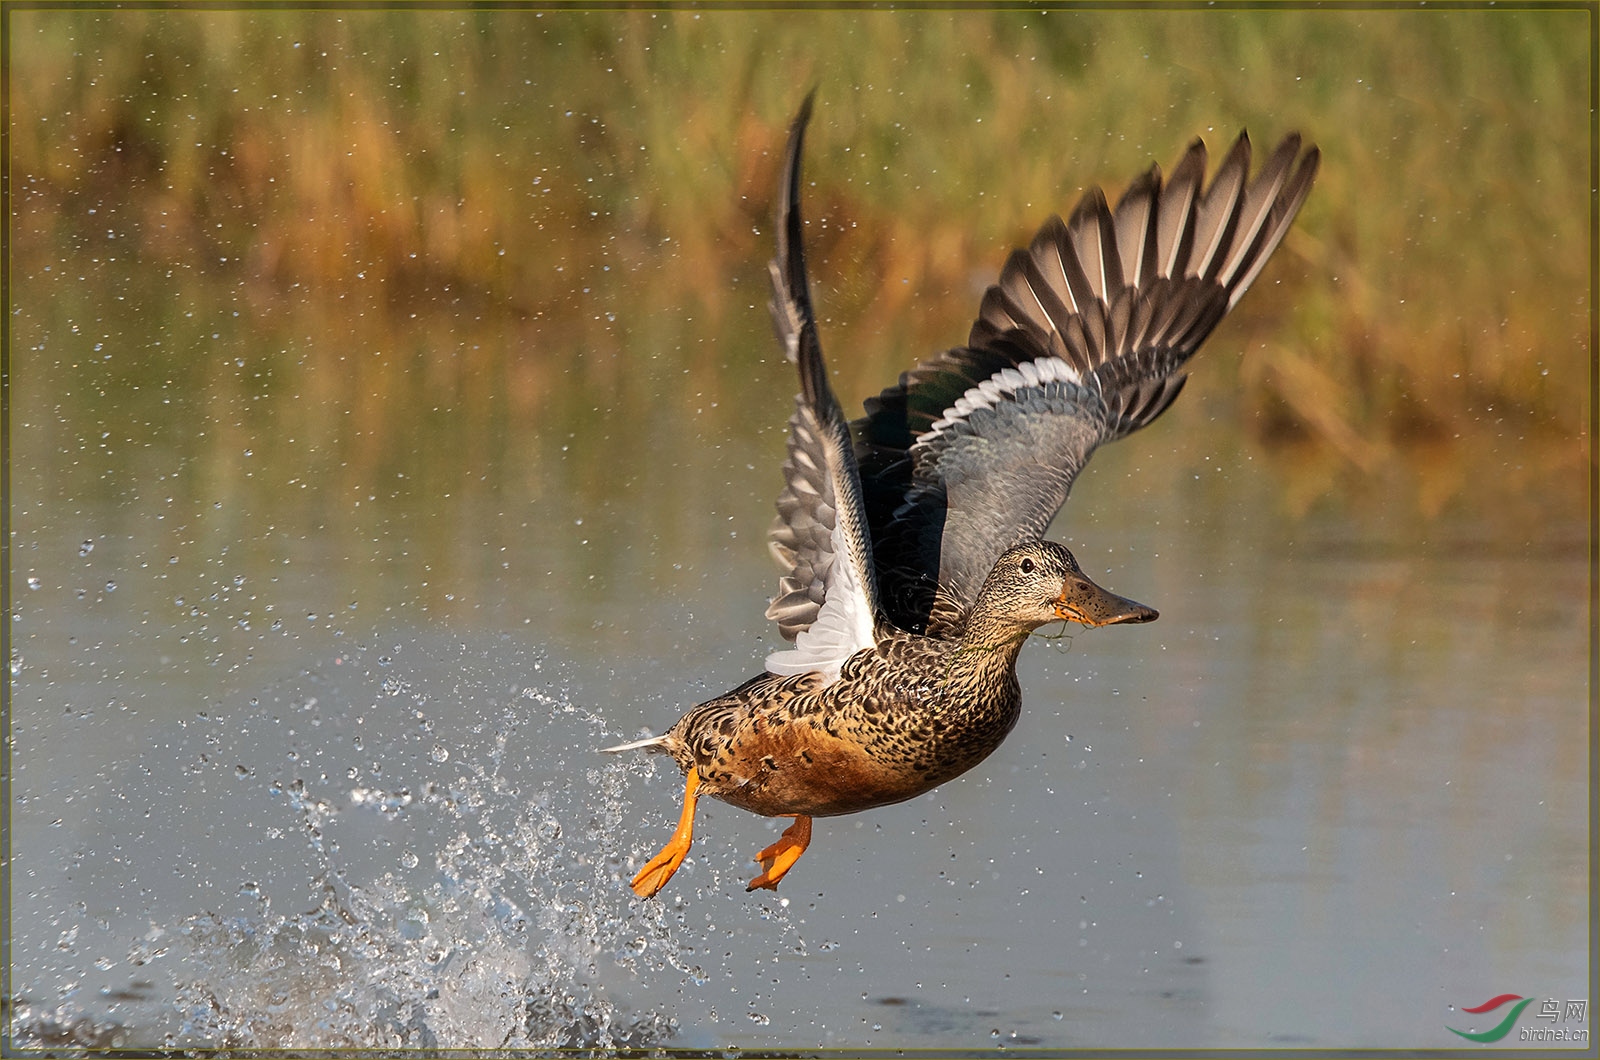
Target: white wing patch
842	628
1002	385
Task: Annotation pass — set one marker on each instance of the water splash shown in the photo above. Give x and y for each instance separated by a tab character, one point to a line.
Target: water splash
502	948
501	922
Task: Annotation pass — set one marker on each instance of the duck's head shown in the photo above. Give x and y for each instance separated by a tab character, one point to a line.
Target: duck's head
1040	582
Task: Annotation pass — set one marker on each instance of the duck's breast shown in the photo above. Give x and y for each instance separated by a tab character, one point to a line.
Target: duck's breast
799	767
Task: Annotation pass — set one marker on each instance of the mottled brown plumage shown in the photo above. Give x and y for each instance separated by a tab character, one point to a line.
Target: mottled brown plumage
903	717
941	493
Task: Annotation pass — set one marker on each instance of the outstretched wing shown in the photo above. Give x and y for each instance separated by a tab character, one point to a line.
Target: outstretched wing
827	602
1080	343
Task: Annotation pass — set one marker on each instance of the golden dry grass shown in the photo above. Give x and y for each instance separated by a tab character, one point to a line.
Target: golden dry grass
593	188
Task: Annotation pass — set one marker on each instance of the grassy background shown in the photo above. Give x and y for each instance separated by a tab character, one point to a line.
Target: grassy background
588	194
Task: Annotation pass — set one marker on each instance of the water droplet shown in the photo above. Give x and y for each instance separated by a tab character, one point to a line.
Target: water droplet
33	583
414	925
441	753
86	548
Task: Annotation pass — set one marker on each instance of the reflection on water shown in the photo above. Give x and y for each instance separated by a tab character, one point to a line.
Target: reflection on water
322	599
468	221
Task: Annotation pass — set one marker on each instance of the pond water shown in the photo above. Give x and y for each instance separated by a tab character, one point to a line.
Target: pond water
304	752
325	587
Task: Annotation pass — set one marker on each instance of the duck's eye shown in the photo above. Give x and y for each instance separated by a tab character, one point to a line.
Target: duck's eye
1027	566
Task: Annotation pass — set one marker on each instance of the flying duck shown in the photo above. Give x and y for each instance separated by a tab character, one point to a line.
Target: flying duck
911	539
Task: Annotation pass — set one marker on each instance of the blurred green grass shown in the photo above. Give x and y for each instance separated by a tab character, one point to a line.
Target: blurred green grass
598	185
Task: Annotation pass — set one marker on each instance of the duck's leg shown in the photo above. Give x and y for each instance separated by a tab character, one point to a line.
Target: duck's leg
659	869
780	857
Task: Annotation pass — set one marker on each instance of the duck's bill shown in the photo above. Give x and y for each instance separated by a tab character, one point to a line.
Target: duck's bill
1083	601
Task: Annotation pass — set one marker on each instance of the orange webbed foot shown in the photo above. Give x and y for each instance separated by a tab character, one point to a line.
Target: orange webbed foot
659	869
780	857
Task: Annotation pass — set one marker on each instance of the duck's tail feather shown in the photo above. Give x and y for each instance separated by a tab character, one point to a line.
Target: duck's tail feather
657	744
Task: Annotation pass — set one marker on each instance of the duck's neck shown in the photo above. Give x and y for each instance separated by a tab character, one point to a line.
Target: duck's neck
987	657
983	677
979	699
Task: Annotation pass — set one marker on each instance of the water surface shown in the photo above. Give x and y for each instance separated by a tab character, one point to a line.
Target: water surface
280	785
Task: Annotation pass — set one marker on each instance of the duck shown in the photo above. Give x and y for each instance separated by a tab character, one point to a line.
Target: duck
911	540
